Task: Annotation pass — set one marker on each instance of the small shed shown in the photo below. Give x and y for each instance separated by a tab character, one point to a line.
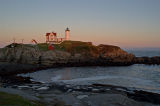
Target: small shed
51	47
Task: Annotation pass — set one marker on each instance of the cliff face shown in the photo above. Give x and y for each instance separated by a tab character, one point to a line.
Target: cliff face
19	54
69	52
32	55
115	53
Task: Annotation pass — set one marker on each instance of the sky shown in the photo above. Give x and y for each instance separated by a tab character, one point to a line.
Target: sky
125	23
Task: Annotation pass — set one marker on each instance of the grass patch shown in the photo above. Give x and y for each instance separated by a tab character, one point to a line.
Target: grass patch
43	46
78	47
72	47
12	99
69	46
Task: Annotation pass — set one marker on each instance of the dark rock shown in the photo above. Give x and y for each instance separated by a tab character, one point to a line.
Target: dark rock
15	80
147	60
145	96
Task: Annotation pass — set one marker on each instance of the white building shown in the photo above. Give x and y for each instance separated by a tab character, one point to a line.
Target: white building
67	34
52	37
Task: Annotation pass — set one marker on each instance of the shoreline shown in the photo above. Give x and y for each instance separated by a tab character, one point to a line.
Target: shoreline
12	81
12	68
86	90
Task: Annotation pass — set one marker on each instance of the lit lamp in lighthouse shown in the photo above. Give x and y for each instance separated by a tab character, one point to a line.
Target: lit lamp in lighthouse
67	34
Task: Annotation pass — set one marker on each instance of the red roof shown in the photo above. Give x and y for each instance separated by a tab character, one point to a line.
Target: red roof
47	34
55	34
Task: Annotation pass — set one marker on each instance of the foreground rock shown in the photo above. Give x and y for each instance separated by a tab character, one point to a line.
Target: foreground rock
84	95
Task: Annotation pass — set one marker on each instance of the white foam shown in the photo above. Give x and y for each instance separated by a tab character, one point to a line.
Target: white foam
138	80
56	78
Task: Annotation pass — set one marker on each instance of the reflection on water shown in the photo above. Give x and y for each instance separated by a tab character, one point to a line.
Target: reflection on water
138	76
66	75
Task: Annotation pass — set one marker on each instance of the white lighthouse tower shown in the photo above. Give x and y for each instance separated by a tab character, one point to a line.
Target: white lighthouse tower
67	34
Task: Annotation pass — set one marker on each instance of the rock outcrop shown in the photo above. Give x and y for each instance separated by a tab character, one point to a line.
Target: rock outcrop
76	53
115	53
147	60
71	53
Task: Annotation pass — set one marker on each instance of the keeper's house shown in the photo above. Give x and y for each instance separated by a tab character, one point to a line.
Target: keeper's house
52	38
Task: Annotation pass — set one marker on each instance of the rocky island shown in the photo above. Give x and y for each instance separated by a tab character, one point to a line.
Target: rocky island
68	53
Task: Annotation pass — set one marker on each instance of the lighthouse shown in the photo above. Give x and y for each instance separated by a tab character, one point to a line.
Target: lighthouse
51	38
67	34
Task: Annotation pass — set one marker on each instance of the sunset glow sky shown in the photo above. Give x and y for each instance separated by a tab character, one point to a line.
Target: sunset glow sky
126	23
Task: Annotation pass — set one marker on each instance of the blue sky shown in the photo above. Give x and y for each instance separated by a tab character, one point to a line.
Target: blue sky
126	23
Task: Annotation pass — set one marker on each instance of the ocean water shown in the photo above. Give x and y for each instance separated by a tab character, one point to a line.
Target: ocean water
139	52
138	76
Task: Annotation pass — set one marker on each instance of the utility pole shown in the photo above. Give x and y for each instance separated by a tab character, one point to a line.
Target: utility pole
22	41
14	40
